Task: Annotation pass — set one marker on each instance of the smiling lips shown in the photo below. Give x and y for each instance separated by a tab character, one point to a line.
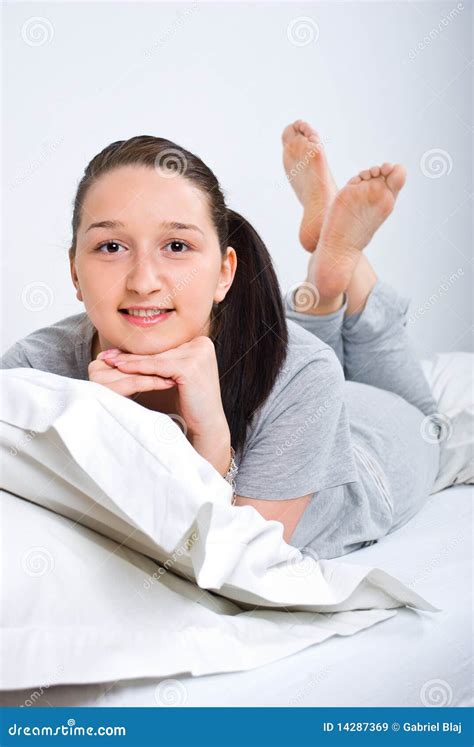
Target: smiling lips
146	317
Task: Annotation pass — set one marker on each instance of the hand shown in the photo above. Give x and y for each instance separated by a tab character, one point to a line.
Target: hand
126	384
193	369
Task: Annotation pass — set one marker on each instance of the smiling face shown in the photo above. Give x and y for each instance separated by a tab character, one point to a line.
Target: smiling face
162	251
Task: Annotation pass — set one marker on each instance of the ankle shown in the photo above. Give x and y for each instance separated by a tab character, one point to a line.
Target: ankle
321	306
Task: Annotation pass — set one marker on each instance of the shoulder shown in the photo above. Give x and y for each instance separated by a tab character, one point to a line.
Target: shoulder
310	379
60	348
308	357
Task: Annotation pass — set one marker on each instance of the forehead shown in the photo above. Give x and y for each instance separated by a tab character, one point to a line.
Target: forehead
134	194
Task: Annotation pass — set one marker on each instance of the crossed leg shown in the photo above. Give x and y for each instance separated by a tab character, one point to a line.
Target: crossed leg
337	225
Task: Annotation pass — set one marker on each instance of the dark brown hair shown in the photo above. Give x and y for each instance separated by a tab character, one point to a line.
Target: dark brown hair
248	327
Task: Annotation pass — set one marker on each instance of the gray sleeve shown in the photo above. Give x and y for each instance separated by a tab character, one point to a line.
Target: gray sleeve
15	357
304	446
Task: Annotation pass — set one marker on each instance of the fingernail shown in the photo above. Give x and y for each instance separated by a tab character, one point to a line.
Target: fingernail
110	352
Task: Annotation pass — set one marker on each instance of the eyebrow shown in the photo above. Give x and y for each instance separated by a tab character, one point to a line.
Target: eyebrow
176	225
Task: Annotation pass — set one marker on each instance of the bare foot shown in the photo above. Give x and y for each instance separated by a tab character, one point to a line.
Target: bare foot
356	212
308	172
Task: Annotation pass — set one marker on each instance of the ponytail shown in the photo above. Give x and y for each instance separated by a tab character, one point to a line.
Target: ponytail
249	329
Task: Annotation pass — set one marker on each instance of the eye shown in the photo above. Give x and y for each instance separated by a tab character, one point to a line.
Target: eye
108	243
176	245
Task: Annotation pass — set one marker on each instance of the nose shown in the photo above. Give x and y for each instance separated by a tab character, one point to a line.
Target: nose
143	277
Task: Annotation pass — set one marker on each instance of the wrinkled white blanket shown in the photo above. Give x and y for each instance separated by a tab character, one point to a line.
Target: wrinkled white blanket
163	526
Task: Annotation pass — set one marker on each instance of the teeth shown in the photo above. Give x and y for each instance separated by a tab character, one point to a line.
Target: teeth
142	312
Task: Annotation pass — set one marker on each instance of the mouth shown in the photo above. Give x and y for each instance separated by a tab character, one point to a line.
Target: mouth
146	317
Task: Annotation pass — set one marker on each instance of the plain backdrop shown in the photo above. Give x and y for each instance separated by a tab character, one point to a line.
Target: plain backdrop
381	81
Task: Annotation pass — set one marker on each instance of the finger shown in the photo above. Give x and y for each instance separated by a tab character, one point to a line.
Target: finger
110	353
150	365
109	362
134	384
185	350
170	354
109	376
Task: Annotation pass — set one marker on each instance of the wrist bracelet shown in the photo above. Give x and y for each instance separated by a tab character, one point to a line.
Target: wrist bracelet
231	473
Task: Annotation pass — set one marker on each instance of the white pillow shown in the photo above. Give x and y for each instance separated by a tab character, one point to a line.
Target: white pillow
80	608
86	453
451	379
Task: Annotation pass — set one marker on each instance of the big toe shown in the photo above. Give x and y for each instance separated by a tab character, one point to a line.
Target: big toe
288	134
396	178
305	129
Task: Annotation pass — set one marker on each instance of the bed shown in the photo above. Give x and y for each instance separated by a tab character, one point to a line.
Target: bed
413	659
86	623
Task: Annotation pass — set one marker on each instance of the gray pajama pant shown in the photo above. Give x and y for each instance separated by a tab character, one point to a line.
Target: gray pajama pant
393	436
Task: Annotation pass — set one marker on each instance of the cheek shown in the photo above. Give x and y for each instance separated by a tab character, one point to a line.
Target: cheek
98	287
197	283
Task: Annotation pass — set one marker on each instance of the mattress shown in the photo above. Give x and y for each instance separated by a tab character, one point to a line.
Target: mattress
413	659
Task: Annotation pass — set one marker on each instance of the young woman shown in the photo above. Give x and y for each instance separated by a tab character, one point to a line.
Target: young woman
184	314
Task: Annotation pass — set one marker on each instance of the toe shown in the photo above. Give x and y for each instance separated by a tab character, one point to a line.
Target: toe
287	134
375	170
396	179
355	180
365	174
305	129
386	168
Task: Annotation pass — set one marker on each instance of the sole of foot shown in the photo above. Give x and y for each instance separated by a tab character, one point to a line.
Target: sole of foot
308	172
355	214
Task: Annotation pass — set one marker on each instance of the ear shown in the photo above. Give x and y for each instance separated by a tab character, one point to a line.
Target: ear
75	279
227	274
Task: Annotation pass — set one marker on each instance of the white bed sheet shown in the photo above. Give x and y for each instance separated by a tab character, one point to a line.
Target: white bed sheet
413	659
